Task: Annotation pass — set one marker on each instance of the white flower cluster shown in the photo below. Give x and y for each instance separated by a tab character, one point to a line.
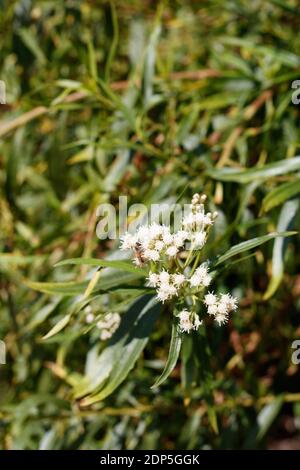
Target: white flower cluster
188	321
201	277
168	285
152	242
174	273
108	324
220	306
197	222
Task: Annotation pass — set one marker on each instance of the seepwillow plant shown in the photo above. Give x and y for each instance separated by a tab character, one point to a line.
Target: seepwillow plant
167	273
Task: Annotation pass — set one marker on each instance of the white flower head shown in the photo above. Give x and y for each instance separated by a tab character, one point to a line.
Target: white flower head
172	251
202	270
108	324
199	239
168	238
185	321
212	309
152	255
222	308
164	277
165	292
221	318
180	237
178	279
188	321
197	322
229	301
159	245
128	241
195	280
153	279
210	299
143	233
206	280
155	230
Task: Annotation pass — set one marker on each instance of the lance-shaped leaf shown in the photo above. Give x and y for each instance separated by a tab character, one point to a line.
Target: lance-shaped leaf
286	218
127	344
280	194
249	245
174	351
127	266
247	175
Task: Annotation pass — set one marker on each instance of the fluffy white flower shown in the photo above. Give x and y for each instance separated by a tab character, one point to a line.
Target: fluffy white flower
225	298
155	230
212	309
197	322
143	232
151	255
202	271
164	277
184	315
180	237
221	318
210	299
165	292
188	321
206	280
167	238
185	321
199	219
200	277
172	251
153	279
229	300
222	308
159	245
188	221
128	241
199	239
208	219
178	279
196	280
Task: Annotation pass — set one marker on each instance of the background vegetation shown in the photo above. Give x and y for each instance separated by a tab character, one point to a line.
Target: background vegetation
146	99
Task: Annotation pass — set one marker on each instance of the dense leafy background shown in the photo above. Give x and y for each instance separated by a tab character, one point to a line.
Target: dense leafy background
145	99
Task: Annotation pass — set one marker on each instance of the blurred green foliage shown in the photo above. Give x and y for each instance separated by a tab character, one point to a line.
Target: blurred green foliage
144	99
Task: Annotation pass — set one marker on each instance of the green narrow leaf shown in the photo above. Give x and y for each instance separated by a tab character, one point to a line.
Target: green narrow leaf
127	266
128	343
267	416
174	351
246	176
287	215
249	244
58	327
17	259
280	194
30	41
